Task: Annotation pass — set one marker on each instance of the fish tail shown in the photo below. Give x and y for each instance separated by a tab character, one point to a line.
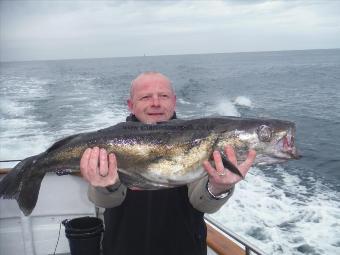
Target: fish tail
22	183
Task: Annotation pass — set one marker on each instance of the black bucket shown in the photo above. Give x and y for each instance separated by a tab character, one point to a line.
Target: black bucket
84	235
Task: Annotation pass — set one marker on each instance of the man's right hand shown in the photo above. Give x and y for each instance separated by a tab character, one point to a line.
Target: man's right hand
99	169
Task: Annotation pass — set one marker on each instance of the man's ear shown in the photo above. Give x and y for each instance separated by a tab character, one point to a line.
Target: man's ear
130	105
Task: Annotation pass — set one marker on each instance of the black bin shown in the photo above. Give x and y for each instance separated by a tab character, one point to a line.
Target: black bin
84	235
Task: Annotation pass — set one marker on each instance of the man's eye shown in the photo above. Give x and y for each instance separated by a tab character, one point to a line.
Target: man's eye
145	98
164	96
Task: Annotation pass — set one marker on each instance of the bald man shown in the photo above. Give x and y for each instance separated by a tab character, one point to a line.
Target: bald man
168	221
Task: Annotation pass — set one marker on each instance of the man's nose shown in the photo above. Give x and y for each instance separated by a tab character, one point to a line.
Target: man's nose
155	101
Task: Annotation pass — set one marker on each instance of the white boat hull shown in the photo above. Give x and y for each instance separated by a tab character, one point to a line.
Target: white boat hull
60	197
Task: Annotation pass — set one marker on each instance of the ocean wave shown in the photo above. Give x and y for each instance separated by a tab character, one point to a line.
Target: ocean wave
284	218
243	101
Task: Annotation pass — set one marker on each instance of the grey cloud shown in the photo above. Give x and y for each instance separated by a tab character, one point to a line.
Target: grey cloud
82	29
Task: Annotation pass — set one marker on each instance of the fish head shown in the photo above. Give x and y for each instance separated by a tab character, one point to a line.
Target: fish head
276	143
273	140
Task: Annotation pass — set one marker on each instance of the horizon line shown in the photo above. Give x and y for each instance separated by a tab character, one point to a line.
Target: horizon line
163	55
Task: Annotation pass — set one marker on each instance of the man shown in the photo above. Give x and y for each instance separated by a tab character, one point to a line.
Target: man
168	221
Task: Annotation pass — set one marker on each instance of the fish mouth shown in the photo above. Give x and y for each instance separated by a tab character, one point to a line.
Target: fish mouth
282	150
286	146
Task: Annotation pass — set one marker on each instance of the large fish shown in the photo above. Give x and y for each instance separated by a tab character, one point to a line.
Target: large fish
163	155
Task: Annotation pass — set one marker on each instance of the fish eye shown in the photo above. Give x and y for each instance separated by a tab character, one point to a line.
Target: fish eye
264	133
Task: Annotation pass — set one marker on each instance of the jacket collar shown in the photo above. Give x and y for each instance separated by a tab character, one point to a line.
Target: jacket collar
133	118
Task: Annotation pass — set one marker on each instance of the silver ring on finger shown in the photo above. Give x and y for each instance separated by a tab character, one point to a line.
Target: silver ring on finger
221	173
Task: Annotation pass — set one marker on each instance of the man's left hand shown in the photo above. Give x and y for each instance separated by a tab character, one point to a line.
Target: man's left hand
222	180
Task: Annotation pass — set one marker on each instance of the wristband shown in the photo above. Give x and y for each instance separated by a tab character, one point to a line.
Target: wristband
218	197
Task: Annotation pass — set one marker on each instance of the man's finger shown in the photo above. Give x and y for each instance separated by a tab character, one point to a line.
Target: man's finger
229	150
218	162
93	164
103	163
113	174
245	166
210	169
84	163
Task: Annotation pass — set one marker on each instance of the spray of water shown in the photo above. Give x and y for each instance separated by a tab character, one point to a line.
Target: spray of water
225	108
280	215
243	101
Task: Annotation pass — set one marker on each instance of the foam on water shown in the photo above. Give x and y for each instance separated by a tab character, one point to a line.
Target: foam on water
23	147
33	137
11	108
279	215
243	101
107	118
225	107
183	101
21	138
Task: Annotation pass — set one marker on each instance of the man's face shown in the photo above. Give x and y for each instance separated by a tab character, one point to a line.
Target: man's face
152	100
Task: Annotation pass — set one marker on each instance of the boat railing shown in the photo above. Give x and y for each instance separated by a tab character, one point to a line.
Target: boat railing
248	247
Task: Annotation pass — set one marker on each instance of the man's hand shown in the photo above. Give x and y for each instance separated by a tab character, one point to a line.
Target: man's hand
99	169
220	179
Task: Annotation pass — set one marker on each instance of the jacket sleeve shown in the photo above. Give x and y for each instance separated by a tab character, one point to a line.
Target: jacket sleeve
102	197
201	200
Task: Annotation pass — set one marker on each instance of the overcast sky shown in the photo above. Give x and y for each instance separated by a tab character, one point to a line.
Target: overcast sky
55	29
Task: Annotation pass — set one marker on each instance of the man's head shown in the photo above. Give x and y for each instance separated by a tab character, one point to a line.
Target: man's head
152	98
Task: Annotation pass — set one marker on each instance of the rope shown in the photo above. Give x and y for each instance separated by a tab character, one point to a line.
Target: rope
55	249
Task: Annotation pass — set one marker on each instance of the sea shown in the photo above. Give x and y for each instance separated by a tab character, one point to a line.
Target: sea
290	208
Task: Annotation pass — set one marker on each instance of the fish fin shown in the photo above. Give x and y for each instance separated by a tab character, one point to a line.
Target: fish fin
230	166
60	143
29	193
22	183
